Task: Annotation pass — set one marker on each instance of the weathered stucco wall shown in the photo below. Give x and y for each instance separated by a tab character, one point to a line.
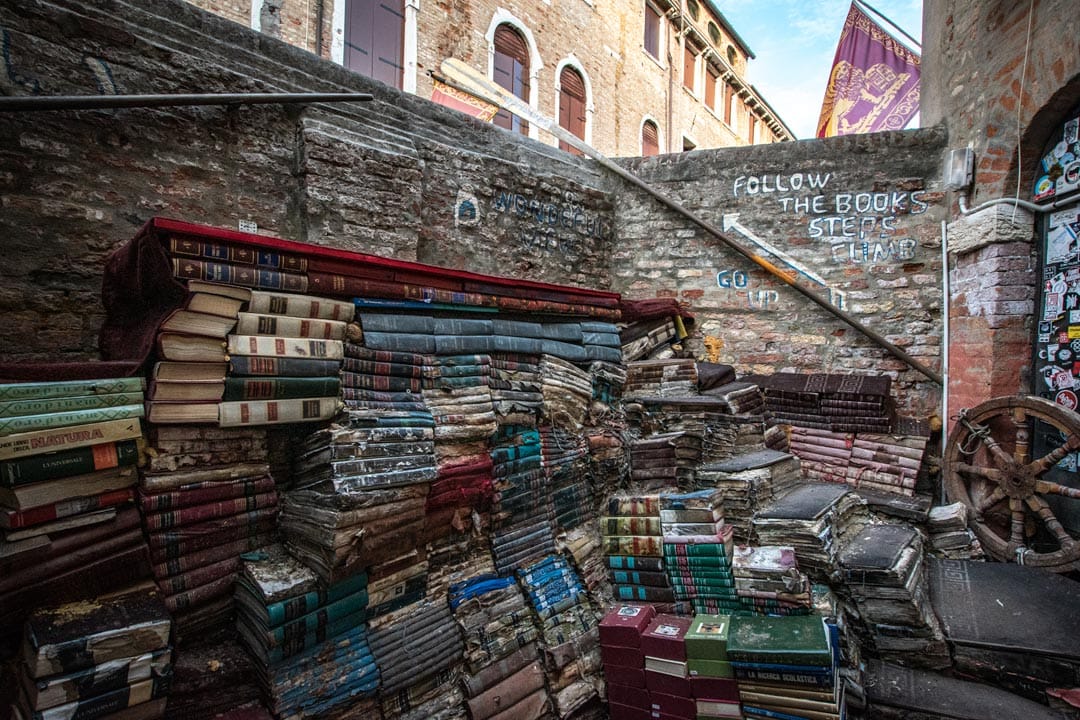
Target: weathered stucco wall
398	176
859	218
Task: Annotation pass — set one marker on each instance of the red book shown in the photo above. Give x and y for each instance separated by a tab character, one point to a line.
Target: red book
629	696
209	511
201	594
617	711
205	493
714	688
659	682
180	541
615	656
14	519
200	558
666	637
624	624
619	675
199	576
673	706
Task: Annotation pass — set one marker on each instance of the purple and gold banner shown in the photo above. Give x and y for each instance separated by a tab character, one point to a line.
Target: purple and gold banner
874	83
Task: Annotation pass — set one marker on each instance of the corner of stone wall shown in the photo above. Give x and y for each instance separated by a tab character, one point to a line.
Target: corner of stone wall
996	224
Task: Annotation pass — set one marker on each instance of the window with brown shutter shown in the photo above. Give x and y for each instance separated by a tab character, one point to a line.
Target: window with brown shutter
650	139
375	39
511	72
729	96
711	78
652	31
689	65
571	106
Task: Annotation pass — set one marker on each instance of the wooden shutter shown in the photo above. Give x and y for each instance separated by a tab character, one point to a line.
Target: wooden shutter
711	78
652	31
571	105
650	140
512	73
375	39
689	64
729	93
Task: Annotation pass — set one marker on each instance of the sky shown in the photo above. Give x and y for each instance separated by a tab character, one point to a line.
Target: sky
795	41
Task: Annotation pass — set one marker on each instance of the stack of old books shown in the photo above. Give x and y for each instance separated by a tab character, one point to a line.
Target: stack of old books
768	580
459	397
284	612
663	643
360	490
816	519
665	460
398	582
522	518
748	482
602	341
697	549
566	462
884	574
419	651
950	537
632	540
206	497
712	677
567	391
786	666
881	463
68	454
568	633
382	379
461	497
93	658
839	403
623	660
661	378
501	657
650	328
516	393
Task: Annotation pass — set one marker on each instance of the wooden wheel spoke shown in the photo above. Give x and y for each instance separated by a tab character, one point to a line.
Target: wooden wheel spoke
1016	533
1021	448
990	475
1055	456
989	501
1040	508
1001	458
1045	487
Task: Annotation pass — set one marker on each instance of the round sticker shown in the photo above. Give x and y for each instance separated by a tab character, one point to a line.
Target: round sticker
1064	354
1043	184
1072	172
1066	398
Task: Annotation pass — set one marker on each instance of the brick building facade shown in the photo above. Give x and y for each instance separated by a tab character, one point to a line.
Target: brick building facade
673	73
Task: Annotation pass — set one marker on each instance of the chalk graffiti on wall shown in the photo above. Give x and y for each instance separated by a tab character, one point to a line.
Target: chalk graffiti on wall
561	226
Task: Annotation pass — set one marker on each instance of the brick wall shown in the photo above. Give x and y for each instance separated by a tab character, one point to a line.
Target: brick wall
859	216
386	177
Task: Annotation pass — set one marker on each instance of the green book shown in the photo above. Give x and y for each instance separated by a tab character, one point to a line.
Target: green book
280	388
67	463
296	607
709	668
70	388
790	640
714	562
707	638
43	406
29	423
710	550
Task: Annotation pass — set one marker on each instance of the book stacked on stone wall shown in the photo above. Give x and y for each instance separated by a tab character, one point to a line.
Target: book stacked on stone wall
950	536
522	516
651	328
516	393
284	612
768	580
712	677
206	497
817	519
568	635
383	379
676	377
633	542
786	667
839	403
623	660
502	665
665	460
359	492
748	482
68	455
566	462
875	462
567	391
884	572
94	658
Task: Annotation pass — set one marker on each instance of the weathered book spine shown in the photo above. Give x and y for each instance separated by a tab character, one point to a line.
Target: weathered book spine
57	563
624	562
199	558
365	354
176	543
374	367
296	607
108	676
647	545
793	674
204	493
43	406
282	347
197	577
110	702
14	519
240	254
30	423
634	577
301	306
199	595
249	323
247	276
629	525
65	463
383	383
282	367
280	388
648	505
273	412
174	480
298	643
209	511
318	620
70	388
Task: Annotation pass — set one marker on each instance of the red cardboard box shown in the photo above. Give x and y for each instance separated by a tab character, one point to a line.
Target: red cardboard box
623	625
665	637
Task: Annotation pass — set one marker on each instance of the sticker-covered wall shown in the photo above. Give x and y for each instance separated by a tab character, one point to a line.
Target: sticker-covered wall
856	218
398	176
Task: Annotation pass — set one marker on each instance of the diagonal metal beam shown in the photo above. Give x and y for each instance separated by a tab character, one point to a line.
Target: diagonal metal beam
457	74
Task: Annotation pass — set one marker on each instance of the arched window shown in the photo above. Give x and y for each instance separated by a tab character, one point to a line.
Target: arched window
650	139
511	71
375	39
571	105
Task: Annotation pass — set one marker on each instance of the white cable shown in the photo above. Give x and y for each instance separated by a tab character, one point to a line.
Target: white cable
1019	107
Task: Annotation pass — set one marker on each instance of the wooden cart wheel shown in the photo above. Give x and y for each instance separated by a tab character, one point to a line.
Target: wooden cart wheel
988	466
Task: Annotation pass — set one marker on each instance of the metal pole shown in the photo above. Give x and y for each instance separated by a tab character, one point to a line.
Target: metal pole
36	103
468	80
